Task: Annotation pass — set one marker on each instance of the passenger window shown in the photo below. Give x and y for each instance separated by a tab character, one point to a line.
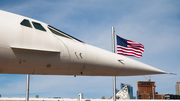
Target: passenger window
38	26
26	23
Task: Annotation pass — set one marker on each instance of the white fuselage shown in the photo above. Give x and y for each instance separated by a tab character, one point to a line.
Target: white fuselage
27	50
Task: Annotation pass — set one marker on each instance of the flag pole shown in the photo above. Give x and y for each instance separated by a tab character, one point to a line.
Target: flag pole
27	88
114	78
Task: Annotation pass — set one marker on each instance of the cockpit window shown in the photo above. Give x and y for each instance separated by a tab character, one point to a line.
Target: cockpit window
57	32
38	26
26	23
61	33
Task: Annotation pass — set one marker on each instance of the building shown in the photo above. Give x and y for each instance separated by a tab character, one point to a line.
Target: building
171	96
130	90
123	93
177	88
147	90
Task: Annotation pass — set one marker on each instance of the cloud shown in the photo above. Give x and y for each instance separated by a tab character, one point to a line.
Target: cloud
153	23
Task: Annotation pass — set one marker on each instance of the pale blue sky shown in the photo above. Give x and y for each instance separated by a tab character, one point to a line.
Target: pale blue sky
154	23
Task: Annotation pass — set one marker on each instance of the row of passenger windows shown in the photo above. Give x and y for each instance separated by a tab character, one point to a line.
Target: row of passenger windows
38	26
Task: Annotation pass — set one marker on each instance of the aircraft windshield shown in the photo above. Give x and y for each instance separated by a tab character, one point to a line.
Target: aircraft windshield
61	33
38	26
26	23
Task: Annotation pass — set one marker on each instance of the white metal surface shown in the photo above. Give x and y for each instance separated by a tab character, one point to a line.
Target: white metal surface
26	50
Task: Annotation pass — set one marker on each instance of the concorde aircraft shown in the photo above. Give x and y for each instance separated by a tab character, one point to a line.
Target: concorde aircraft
28	46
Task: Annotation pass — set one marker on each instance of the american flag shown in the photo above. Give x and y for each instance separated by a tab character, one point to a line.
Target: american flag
129	48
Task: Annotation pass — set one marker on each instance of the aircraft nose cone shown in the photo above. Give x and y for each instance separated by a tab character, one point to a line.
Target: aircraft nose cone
133	67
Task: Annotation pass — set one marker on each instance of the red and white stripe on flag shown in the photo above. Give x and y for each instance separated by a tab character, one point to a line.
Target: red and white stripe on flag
133	49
